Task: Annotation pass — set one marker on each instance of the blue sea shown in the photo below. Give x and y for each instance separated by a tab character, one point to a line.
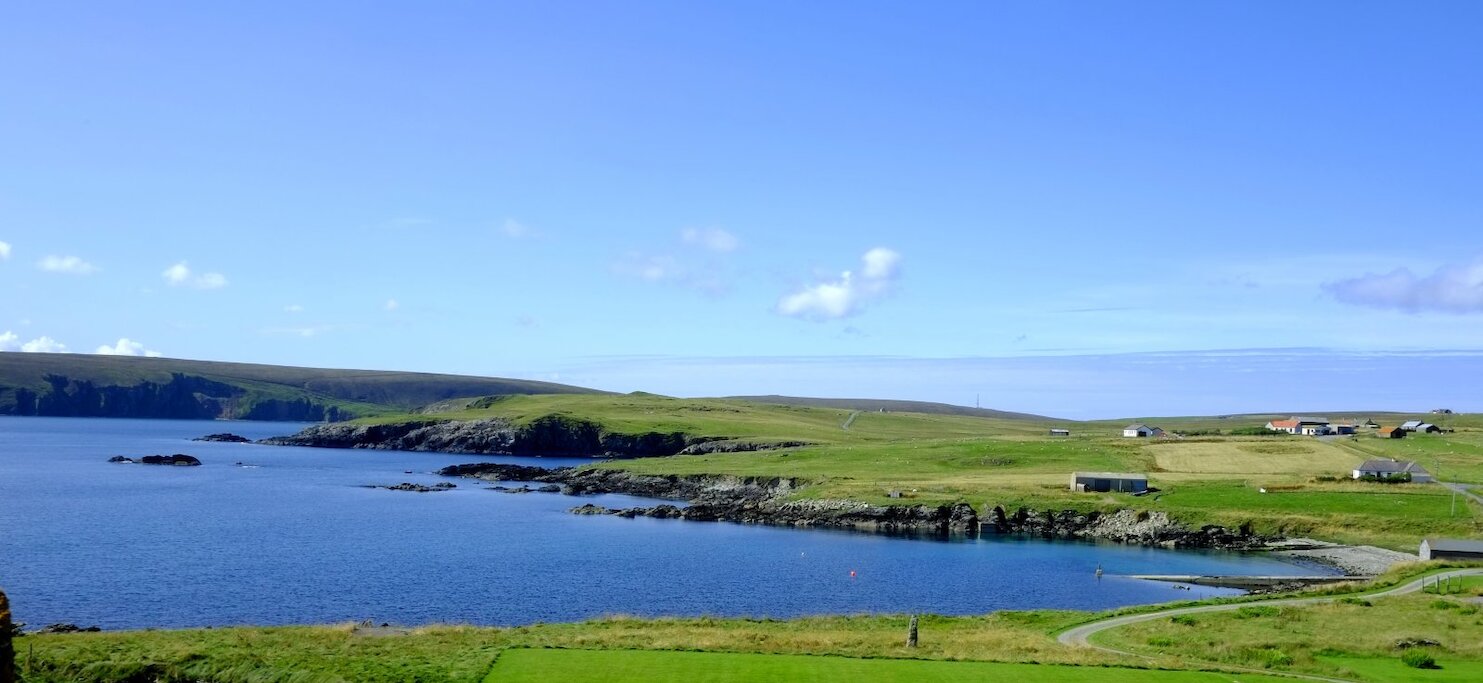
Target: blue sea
292	535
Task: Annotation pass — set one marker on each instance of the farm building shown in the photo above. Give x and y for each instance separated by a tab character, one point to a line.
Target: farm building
1289	426
1390	433
1109	481
1429	428
1411	425
1307	426
1060	432
1386	469
1141	430
1451	549
1371	424
1345	429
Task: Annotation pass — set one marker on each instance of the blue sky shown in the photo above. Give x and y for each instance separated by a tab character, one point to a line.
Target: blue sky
668	196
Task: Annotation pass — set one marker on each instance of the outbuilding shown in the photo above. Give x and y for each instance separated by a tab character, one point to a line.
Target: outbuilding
1428	428
1103	482
1060	432
1411	425
1141	430
1451	549
1385	468
1390	433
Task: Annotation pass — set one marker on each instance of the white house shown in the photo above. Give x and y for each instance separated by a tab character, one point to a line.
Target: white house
1386	469
1134	431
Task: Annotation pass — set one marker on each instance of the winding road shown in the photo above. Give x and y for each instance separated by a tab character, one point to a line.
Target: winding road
1081	635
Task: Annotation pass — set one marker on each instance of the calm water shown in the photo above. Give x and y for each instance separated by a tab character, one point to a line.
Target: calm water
299	540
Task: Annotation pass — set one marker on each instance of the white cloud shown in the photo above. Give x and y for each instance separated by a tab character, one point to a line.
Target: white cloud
391	305
66	264
849	294
1456	288
4	251
180	275
44	345
293	308
10	341
126	347
711	239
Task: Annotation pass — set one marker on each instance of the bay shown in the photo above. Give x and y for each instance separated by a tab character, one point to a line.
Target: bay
292	535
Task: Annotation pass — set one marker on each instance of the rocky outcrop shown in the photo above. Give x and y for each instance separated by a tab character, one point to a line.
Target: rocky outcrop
418	488
549	435
738	446
179	459
1137	527
67	628
766	500
223	437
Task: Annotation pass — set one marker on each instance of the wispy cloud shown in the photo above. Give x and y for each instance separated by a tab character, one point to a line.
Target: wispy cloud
293	308
710	239
850	293
1455	288
391	305
4	251
516	230
698	262
180	275
71	265
127	347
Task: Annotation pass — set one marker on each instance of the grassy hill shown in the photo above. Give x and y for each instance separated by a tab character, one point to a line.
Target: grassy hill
883	405
121	386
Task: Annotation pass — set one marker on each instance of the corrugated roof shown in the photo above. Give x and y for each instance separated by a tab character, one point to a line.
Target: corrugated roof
1138	425
1386	465
1455	545
1409	424
1109	475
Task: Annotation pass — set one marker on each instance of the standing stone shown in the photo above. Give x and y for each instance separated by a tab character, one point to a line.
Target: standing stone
7	649
911	632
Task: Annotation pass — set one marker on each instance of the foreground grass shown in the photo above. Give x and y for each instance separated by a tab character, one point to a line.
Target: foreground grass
464	654
1356	638
1353	638
521	666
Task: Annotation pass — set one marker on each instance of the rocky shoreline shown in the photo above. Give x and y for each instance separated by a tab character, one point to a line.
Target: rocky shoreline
763	500
549	435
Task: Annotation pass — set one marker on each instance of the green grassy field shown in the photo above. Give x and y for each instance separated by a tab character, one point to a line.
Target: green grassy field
641	666
1351	639
987	461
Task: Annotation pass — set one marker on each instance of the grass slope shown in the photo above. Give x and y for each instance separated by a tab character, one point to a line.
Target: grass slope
361	392
641	666
873	405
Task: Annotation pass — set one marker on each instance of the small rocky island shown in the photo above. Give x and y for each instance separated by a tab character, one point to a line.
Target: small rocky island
178	459
223	437
416	488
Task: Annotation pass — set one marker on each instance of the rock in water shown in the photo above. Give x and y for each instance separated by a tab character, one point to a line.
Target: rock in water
122	459
223	437
180	459
7	649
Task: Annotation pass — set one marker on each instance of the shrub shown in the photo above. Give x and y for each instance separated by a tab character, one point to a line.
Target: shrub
1270	657
1160	641
1440	603
1183	620
1419	659
1355	601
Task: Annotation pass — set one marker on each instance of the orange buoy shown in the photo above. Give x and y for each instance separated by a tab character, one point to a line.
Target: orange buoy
852	573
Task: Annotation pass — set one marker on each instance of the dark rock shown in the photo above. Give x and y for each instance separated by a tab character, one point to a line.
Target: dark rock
122	459
549	488
223	437
1408	643
67	628
707	447
419	488
547	435
590	509
179	459
491	471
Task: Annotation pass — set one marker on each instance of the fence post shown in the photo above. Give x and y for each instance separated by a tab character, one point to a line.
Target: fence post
911	632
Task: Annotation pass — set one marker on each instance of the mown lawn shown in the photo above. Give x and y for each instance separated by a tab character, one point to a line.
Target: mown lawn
642	666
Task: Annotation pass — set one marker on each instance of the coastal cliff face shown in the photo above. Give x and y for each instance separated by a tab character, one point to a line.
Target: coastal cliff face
761	500
549	435
182	397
